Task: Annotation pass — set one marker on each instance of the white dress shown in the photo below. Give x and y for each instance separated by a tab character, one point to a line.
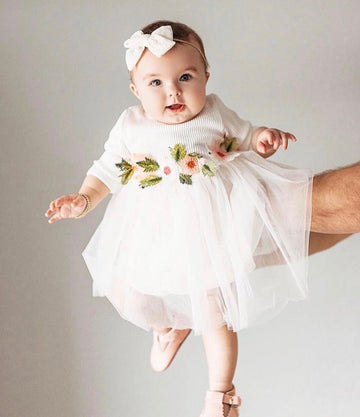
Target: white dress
200	231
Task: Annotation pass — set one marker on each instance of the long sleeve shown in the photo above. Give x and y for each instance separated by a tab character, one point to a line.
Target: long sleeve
115	149
235	126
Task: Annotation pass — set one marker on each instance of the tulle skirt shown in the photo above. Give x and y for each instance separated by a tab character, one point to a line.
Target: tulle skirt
226	250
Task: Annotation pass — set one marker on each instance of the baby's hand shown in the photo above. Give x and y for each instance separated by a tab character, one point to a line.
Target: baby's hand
65	207
271	139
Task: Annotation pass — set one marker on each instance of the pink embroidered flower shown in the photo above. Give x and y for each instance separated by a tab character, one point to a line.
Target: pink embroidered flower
218	152
225	149
189	165
168	166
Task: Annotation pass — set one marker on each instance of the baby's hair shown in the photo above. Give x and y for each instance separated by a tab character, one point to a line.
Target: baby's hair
181	32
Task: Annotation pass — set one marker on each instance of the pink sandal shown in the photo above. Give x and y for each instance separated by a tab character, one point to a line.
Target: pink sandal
165	347
220	404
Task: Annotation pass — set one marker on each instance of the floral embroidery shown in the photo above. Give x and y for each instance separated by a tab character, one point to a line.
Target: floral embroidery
146	169
225	148
178	151
128	171
188	163
167	170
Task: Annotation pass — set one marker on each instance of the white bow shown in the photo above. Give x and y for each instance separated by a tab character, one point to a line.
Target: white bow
159	42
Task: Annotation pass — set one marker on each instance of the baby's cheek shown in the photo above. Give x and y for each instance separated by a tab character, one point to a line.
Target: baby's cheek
200	100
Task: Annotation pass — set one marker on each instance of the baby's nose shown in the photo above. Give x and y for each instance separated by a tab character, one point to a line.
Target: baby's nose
174	90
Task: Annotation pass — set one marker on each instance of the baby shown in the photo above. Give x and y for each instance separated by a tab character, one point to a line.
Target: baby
202	232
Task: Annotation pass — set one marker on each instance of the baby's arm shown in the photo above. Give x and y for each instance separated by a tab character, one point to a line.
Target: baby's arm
73	205
263	140
266	141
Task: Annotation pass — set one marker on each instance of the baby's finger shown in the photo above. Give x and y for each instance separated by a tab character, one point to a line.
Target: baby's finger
49	212
277	139
267	137
291	137
284	140
56	204
261	147
65	211
52	205
269	134
53	208
55	218
63	200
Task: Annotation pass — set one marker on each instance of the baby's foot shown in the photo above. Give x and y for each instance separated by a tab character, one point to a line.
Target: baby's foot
166	343
221	404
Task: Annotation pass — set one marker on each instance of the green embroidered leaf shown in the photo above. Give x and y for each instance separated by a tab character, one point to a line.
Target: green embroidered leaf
185	179
195	154
150	180
125	177
230	144
208	169
123	165
178	151
148	164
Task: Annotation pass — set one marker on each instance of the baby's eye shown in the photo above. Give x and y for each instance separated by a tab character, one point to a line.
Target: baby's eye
155	83
185	77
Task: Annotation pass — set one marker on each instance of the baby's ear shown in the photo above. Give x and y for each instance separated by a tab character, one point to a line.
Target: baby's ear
207	75
133	89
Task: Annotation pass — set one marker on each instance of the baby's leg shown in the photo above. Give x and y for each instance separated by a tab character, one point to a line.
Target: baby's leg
163	331
221	349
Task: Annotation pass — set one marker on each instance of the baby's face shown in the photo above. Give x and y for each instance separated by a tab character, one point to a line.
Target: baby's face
172	88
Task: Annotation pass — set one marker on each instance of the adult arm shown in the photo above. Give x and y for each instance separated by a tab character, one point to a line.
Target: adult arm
336	201
335	207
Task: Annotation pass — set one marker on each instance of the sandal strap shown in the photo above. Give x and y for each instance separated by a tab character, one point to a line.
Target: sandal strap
166	337
233	400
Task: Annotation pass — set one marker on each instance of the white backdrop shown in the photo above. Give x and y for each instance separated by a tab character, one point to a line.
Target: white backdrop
293	65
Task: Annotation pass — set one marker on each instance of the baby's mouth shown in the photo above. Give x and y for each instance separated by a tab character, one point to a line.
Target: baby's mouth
176	107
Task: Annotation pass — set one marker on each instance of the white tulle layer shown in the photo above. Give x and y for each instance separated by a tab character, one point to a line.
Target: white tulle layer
229	249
